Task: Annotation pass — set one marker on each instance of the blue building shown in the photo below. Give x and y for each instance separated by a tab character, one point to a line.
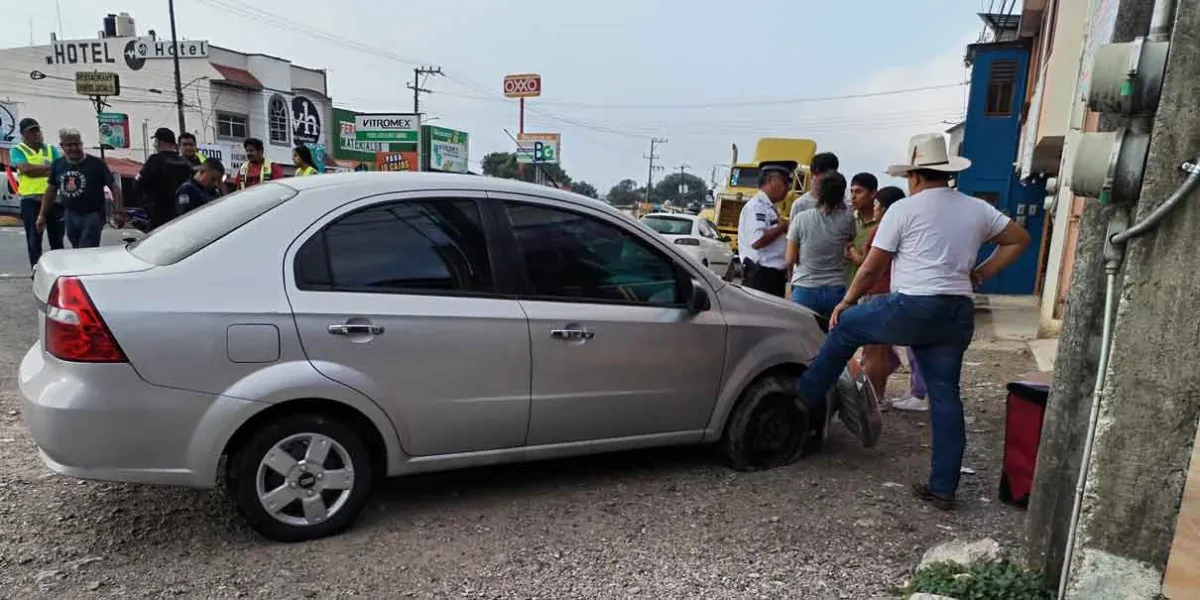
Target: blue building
991	139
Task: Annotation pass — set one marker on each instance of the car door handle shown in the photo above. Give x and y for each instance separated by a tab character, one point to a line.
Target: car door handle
571	334
355	329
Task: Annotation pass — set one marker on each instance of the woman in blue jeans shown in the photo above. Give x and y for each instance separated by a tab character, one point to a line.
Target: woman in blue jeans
817	240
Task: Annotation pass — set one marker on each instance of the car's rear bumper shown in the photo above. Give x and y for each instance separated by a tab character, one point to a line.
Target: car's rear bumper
102	421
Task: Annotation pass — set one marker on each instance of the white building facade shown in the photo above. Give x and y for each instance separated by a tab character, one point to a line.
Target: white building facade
228	96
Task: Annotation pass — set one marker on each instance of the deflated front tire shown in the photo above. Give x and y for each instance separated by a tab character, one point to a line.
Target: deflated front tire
769	428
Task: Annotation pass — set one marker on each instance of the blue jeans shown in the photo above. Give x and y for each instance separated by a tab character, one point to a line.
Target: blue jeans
83	229
30	207
938	329
821	300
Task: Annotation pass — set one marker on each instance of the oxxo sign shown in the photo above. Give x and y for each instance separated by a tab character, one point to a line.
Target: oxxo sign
528	85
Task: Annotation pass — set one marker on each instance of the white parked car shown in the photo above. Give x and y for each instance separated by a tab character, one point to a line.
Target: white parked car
696	236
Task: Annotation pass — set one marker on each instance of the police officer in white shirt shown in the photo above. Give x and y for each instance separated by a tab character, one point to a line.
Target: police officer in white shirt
762	231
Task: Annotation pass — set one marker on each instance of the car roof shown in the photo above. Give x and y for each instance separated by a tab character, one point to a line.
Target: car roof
369	183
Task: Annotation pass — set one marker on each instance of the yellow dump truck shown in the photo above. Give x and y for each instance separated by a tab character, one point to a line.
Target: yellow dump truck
742	183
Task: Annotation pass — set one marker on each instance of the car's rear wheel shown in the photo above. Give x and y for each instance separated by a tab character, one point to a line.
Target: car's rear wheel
769	427
301	477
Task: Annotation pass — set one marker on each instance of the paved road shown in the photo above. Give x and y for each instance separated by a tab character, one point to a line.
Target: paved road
14	260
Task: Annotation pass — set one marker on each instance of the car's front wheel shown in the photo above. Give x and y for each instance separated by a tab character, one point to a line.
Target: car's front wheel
301	477
769	427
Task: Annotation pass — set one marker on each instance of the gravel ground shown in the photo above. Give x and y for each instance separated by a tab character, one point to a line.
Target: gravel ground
661	524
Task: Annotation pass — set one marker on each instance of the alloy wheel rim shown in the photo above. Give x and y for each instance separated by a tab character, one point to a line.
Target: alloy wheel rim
304	479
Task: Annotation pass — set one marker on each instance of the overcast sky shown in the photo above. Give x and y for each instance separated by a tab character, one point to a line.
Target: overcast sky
615	72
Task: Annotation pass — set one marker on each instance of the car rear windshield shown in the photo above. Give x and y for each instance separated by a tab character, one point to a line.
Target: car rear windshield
186	235
669	225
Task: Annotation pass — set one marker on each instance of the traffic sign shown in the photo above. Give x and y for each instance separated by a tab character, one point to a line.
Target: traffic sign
528	85
97	83
391	128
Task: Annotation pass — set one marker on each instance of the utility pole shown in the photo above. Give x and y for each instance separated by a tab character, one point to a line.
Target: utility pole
415	86
652	157
1142	433
682	186
175	60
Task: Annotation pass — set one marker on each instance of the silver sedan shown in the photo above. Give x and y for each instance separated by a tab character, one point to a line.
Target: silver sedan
302	339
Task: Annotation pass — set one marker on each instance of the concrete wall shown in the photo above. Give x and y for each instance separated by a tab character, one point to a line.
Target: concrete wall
55	104
1063	114
991	141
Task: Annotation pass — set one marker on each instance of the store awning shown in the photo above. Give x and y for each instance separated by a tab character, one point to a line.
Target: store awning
238	77
124	167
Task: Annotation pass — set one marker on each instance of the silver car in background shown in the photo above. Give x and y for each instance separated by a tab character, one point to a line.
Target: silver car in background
302	339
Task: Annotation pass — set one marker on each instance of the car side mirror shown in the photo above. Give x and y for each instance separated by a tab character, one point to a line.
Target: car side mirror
697	299
725	239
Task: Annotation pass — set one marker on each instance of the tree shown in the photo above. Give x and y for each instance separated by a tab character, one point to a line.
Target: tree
584	188
668	189
504	165
625	193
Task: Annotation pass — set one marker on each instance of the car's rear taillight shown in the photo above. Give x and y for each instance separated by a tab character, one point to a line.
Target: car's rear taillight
687	241
74	329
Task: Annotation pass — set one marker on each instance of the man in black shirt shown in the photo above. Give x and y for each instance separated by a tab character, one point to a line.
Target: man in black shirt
189	150
81	179
201	188
161	176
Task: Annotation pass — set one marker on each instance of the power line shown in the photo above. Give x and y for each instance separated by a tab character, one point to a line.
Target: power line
488	95
739	104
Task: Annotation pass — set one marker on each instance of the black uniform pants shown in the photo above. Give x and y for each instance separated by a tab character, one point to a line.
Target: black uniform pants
764	279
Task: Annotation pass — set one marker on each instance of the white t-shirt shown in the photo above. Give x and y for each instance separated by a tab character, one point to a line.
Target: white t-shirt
935	236
757	215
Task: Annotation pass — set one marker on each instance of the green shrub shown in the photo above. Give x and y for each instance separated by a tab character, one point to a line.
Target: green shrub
1002	580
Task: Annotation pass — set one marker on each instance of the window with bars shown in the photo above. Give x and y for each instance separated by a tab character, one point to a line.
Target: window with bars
277	120
1002	80
232	127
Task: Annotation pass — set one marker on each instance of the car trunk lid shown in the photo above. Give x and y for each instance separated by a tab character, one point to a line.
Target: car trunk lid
106	260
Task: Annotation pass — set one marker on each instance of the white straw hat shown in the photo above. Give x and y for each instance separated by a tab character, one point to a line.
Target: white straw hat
928	151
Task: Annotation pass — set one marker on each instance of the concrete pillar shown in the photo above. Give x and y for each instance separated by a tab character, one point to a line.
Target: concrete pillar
1066	421
1152	395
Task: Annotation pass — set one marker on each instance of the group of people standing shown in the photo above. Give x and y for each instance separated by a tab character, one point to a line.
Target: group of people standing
884	270
65	190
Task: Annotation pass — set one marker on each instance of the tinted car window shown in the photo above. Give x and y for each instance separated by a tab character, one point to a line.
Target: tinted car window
434	245
571	256
188	234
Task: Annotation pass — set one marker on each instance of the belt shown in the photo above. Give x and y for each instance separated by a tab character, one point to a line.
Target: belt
762	266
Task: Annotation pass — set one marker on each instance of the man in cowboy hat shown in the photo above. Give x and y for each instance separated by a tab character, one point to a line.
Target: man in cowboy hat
761	230
929	242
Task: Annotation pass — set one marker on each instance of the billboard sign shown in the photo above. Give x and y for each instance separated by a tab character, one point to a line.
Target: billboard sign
306	121
318	155
388	128
114	130
97	83
231	155
447	150
527	85
539	147
9	117
396	161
